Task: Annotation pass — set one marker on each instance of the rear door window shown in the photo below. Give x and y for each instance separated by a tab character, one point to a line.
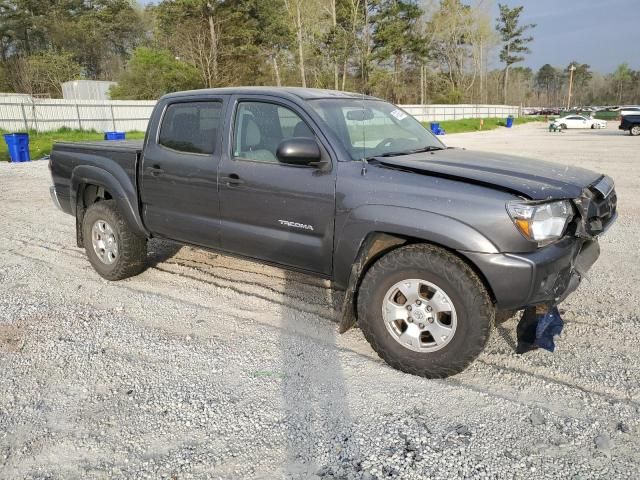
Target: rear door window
191	127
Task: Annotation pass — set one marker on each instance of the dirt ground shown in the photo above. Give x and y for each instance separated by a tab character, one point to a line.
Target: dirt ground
206	366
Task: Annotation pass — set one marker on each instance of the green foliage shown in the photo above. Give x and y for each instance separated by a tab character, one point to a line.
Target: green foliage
396	36
452	96
95	33
512	35
153	73
46	71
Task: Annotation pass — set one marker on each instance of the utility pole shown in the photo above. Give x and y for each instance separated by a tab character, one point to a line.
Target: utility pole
572	68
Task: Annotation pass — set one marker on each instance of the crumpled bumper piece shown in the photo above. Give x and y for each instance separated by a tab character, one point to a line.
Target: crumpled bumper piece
547	275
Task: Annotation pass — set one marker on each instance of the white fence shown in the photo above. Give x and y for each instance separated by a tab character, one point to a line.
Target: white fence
428	113
21	113
18	114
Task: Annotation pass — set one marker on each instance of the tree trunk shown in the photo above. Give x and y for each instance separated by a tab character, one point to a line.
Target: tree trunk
505	83
276	70
300	46
214	50
334	20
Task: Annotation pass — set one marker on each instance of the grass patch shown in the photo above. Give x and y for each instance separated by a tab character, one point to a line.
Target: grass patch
473	124
40	143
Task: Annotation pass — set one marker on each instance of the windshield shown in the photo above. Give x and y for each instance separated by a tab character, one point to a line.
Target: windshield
369	128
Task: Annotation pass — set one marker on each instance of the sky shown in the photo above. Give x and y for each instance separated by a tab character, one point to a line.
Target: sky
601	33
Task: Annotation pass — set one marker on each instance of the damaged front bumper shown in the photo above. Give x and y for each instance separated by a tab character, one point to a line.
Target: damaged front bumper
549	274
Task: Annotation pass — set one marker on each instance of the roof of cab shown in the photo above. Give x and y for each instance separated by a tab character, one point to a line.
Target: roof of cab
303	93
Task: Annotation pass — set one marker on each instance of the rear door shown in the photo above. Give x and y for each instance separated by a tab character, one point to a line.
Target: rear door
178	187
272	211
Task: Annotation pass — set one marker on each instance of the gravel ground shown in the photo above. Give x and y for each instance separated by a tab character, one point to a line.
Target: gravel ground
207	366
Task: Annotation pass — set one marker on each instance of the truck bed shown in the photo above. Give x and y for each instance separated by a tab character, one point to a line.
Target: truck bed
111	145
119	157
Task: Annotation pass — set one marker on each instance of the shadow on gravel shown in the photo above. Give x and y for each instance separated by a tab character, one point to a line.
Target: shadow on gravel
314	394
159	251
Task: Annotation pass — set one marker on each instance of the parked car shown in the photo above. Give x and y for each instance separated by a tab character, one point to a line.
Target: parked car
427	242
629	111
631	123
579	121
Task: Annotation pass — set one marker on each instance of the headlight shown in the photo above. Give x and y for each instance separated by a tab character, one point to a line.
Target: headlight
541	222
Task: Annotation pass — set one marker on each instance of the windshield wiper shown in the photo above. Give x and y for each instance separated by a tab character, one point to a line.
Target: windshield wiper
430	148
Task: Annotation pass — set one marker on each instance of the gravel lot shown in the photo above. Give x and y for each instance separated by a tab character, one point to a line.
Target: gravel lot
206	366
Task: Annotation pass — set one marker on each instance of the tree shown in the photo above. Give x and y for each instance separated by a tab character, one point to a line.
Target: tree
272	32
622	77
397	37
153	73
44	73
514	43
451	31
546	79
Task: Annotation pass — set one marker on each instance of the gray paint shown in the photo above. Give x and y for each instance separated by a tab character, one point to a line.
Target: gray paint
452	198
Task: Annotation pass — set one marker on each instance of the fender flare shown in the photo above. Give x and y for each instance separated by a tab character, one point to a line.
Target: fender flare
123	192
372	230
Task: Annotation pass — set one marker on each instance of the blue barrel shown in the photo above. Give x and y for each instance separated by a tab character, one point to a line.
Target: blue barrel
435	127
18	144
115	135
509	122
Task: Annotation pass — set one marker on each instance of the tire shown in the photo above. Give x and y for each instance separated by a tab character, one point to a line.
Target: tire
468	299
563	126
593	126
635	130
504	315
130	251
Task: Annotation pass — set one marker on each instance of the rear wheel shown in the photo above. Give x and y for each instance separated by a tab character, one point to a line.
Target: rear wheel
635	130
114	250
563	126
425	311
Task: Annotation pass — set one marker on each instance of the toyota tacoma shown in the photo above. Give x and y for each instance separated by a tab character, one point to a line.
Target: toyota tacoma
429	244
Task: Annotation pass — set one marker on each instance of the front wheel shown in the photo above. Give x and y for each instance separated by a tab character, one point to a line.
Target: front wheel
635	130
425	311
114	249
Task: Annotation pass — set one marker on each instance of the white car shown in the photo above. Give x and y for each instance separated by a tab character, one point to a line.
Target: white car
629	111
579	121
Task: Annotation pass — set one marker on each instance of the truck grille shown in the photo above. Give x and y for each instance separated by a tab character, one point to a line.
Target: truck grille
598	206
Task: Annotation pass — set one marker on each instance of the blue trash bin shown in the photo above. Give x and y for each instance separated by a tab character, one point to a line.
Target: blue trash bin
509	122
115	135
435	127
18	145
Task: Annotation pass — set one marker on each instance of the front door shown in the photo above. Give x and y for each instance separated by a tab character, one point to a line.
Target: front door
272	211
179	190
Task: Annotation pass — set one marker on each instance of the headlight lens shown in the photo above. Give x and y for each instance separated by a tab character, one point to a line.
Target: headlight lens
542	222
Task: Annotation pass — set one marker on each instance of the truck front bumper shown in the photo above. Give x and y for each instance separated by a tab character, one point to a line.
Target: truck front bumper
547	275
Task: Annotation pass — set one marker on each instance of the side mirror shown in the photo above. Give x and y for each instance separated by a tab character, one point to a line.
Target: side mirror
299	151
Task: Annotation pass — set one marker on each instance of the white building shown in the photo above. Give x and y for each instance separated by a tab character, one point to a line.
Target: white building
86	90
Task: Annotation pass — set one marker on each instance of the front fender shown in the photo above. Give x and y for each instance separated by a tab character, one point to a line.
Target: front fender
122	191
402	221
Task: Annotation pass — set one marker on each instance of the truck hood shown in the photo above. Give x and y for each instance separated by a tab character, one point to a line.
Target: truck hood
534	179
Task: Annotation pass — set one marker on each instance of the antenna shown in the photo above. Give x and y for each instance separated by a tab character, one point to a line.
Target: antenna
364	137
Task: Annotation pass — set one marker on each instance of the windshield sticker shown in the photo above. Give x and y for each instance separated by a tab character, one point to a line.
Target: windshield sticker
399	114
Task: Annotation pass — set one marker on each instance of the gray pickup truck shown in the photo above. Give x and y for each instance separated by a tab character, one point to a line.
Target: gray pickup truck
429	243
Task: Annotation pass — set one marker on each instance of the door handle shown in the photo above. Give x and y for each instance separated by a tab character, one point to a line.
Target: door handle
233	180
155	170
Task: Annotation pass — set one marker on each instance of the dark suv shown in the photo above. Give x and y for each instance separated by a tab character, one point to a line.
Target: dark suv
428	242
